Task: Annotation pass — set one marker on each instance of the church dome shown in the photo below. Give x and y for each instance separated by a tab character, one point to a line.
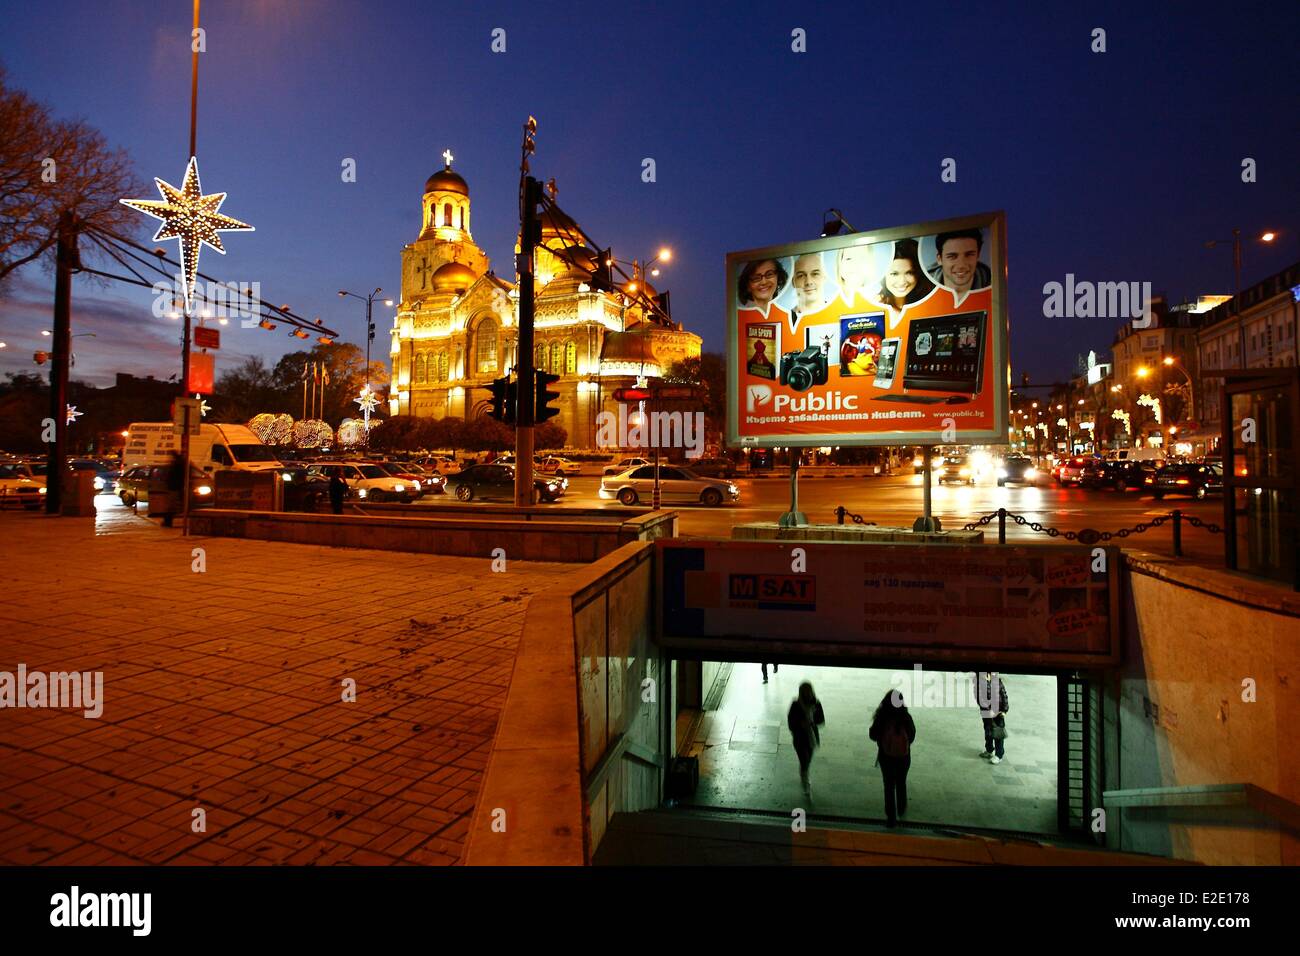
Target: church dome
446	180
557	224
453	277
627	347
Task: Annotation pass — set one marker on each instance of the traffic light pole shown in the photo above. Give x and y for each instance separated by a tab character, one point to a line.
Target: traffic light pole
529	234
65	261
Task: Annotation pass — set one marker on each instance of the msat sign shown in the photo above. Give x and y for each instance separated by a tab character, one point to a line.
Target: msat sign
773	592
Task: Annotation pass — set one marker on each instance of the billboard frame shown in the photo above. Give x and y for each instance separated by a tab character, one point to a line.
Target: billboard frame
999	327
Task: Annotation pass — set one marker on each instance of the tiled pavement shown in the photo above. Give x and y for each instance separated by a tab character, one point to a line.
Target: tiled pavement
223	692
747	760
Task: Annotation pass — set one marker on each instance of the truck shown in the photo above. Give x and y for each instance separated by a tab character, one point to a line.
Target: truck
214	448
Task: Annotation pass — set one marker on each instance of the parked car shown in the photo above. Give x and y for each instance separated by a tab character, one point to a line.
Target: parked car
105	474
440	464
134	485
1190	478
621	466
20	484
1071	470
498	481
675	484
713	467
956	468
303	490
368	481
1118	474
1017	470
423	482
555	465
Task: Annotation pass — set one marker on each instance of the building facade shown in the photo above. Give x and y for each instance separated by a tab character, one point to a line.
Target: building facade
457	323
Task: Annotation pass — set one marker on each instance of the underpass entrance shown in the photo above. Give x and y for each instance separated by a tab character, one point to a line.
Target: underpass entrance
858	622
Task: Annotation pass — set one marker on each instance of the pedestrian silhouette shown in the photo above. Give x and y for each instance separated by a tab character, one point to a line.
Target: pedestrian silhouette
776	668
338	488
894	731
805	720
991	698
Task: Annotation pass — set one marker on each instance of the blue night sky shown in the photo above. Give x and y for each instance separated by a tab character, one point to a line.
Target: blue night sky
1113	167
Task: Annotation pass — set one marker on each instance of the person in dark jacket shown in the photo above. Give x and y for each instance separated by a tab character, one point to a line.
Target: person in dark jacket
804	720
776	668
991	698
175	489
894	731
338	489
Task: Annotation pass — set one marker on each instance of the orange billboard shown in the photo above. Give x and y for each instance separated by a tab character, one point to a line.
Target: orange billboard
892	337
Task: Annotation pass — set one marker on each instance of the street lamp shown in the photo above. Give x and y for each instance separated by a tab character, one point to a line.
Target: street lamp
833	223
1236	282
369	300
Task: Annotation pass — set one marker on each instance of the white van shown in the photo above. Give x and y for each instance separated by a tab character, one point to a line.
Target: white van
1136	454
215	448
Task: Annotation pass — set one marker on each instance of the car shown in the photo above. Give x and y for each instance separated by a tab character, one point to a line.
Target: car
1017	470
620	467
956	468
1071	470
424	483
555	465
713	467
367	480
676	483
302	490
1186	478
105	474
21	485
135	484
498	481
440	464
1118	474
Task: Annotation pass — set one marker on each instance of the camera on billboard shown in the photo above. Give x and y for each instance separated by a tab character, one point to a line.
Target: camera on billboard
805	368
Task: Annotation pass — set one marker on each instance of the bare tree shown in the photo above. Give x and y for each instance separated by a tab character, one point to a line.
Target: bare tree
48	166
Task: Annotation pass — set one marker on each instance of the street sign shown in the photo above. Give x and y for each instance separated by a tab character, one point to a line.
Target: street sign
206	337
186	411
631	394
201	374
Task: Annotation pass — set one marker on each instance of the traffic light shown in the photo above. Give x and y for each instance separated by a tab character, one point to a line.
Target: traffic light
40	358
602	279
542	410
503	400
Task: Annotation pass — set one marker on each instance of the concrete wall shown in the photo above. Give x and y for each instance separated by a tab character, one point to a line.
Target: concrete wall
563	760
527	536
1178	719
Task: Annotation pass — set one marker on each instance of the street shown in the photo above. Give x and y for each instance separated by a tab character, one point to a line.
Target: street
896	501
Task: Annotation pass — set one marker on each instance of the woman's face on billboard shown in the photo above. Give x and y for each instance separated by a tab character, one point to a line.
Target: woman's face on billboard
762	282
900	280
852	268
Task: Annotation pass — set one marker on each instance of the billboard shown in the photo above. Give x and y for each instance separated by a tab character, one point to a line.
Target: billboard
891	337
1044	606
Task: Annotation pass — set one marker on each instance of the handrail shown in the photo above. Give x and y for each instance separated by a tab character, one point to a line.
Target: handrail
1277	808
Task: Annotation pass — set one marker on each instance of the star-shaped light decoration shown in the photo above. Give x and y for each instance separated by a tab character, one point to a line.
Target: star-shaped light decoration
368	401
190	217
204	408
73	414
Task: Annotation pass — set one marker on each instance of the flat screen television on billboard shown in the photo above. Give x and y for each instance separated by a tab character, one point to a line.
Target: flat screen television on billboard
891	337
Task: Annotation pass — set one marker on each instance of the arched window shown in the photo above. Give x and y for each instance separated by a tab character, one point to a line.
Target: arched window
462	217
571	358
486	347
440	367
557	358
539	357
446	214
419	370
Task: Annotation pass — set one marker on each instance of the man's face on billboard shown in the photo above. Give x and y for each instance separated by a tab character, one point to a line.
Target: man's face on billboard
809	280
958	260
854	264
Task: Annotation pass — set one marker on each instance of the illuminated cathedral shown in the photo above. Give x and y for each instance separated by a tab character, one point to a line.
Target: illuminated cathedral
457	323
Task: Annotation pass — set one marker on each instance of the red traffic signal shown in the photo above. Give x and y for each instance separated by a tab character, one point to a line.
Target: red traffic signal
631	394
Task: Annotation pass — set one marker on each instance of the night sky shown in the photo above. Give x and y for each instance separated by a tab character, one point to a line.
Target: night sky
1113	166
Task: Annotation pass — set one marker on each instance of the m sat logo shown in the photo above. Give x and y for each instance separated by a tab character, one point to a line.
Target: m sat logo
773	592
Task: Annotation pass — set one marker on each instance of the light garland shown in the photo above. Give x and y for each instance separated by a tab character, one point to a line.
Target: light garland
1123	416
272	429
191	218
312	433
1153	404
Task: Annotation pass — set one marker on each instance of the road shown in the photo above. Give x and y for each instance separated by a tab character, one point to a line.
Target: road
896	501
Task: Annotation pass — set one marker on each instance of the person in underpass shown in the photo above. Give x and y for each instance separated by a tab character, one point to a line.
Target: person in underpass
805	720
991	698
894	732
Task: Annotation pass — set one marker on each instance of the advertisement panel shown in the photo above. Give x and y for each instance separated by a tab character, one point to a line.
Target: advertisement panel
1045	605
892	337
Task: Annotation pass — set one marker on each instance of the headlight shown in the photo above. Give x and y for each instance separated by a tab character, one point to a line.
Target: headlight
99	483
399	488
417	485
42	491
203	490
732	489
361	492
965	472
551	485
1031	472
918	462
1002	472
287	476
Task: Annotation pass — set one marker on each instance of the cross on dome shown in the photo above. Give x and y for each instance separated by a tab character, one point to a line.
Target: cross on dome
447	157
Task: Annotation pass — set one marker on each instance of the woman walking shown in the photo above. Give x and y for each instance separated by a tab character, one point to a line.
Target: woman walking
893	730
804	720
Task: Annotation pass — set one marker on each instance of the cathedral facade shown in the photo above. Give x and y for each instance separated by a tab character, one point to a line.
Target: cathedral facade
457	323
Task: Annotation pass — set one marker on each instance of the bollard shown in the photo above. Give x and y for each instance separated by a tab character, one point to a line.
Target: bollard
839	514
1178	533
1002	526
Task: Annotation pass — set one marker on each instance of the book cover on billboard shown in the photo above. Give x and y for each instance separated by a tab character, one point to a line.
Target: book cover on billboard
860	339
762	341
827	338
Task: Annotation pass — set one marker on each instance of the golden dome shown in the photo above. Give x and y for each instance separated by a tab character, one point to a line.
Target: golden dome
627	347
445	180
557	224
453	277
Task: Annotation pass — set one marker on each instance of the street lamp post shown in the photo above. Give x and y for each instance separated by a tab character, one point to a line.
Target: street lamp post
369	300
1236	283
639	272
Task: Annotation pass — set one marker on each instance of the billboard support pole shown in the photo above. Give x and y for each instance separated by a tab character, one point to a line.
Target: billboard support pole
793	518
927	522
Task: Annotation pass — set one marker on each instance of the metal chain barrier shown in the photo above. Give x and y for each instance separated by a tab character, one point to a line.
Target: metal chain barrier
1091	535
841	512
